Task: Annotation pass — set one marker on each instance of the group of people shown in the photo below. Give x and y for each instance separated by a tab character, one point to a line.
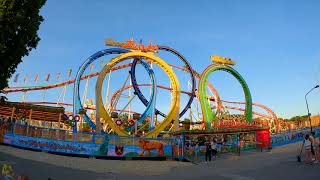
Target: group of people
311	145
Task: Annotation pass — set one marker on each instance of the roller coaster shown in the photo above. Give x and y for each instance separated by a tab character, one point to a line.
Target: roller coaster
106	118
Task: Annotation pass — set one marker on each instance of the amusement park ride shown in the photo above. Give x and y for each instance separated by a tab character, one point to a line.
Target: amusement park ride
105	117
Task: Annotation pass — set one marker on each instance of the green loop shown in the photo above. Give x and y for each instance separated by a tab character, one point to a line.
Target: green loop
208	114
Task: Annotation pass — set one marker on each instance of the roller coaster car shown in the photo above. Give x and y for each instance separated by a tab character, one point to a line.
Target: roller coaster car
211	98
114	115
64	117
76	118
131	123
118	122
136	116
222	60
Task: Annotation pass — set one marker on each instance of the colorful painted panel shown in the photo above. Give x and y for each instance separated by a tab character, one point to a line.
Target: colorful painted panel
291	137
109	146
54	145
138	147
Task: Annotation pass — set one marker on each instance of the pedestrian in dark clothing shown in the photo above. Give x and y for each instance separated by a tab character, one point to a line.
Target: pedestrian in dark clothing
214	148
208	151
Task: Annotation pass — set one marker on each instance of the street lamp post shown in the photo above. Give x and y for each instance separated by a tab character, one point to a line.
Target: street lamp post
309	114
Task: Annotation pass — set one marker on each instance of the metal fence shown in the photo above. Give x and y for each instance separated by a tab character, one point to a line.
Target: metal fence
50	133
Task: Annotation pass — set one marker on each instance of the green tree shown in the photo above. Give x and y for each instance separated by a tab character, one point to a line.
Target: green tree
299	118
19	23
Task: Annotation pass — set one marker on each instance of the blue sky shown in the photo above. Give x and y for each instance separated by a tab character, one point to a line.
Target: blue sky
275	44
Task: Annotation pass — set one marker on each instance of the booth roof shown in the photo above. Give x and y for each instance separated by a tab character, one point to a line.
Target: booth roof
33	106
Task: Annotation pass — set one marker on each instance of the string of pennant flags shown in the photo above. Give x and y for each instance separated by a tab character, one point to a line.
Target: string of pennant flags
37	77
47	76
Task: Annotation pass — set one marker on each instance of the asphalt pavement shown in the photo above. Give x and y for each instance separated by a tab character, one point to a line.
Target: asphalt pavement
280	163
43	171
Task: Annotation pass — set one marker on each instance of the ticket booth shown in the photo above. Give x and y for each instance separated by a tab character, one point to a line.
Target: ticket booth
263	137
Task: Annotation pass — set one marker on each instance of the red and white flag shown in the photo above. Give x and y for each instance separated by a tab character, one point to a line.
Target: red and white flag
26	79
36	79
101	63
69	72
16	78
48	77
91	67
58	76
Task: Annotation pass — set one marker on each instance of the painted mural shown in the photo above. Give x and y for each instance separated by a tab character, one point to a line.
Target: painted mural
110	146
138	147
291	137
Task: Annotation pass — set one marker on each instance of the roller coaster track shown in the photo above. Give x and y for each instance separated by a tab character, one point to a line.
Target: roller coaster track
119	91
189	69
274	116
69	104
13	89
77	104
150	108
208	115
133	112
101	112
243	110
115	94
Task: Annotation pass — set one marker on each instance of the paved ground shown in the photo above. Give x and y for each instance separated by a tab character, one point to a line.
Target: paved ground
280	163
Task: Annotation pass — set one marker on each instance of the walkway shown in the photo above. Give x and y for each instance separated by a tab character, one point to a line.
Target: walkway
280	163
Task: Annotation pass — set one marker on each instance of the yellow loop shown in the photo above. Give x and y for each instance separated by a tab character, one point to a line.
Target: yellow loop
175	101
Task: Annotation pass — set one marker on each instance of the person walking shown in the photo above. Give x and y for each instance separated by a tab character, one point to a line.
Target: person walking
208	151
307	147
315	146
214	148
311	139
197	151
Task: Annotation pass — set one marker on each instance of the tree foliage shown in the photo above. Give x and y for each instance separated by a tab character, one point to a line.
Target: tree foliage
19	23
299	118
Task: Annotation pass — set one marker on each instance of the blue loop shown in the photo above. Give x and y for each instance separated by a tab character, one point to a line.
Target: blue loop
150	109
77	105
